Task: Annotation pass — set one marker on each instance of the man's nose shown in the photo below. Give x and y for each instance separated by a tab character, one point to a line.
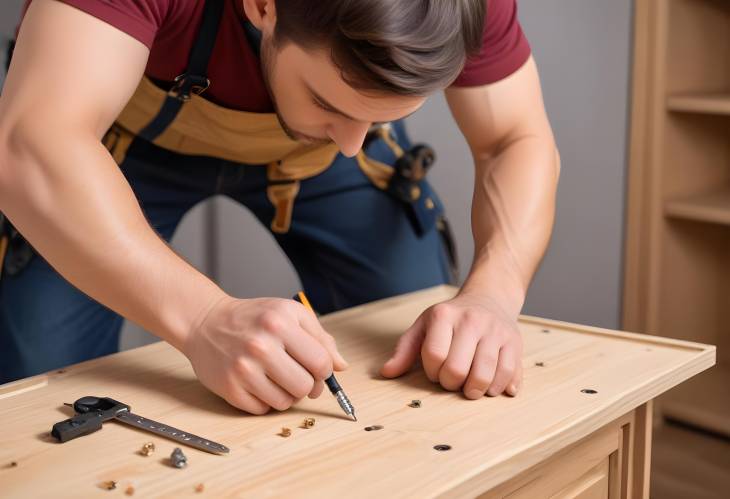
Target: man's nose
349	136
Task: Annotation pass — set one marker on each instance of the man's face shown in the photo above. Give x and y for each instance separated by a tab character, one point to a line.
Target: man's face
315	105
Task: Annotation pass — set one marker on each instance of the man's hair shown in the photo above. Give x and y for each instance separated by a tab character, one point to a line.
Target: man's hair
402	47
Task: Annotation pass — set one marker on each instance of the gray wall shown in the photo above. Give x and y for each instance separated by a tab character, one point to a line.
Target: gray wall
582	48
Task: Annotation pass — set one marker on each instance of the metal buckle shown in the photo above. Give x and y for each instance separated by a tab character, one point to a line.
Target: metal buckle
179	92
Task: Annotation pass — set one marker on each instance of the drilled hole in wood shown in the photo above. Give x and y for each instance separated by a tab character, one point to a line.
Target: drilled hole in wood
540	364
442	447
546	331
589	391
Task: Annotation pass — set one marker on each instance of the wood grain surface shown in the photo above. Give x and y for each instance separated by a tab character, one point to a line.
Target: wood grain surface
491	439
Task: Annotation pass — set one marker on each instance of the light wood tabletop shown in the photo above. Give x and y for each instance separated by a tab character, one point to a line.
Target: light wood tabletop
493	440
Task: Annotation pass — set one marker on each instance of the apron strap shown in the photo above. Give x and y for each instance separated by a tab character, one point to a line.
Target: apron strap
194	79
254	37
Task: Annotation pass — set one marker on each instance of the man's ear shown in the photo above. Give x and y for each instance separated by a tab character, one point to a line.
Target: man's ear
261	13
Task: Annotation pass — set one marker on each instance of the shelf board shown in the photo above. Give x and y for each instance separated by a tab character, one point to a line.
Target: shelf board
702	401
713	207
717	103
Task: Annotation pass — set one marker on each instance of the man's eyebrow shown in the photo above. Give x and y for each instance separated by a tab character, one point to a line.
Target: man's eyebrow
329	107
323	102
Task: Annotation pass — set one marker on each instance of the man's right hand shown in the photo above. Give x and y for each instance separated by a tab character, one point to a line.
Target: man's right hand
262	353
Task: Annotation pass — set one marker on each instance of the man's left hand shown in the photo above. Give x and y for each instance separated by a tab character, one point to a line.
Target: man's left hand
467	343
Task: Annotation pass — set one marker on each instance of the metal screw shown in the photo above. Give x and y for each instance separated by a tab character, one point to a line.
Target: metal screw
373	427
540	364
308	423
178	459
589	391
442	447
285	432
109	485
147	449
415	404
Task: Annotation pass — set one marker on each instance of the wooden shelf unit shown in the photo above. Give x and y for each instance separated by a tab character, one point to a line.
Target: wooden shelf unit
700	103
712	207
677	253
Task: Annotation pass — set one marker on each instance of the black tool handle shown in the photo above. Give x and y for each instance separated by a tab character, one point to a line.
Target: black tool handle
77	426
91	412
333	385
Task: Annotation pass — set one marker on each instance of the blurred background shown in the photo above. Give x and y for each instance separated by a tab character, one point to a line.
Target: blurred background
633	89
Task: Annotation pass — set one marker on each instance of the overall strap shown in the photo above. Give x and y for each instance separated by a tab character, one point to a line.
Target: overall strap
253	35
194	79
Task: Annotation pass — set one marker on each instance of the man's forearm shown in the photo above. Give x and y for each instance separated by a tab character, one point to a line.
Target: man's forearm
513	211
65	194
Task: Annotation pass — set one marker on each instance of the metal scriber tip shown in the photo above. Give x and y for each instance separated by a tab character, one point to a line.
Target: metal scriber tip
345	404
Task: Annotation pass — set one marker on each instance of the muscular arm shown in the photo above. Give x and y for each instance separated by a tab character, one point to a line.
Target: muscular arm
472	341
71	76
517	168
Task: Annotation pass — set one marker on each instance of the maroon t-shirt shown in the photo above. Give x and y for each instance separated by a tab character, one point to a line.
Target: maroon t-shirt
169	28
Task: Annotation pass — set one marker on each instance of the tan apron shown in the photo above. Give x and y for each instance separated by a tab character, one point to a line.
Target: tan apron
204	128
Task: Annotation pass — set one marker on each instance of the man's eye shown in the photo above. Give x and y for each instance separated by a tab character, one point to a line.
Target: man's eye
321	106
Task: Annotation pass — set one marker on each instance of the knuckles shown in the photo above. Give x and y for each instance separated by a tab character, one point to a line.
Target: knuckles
440	312
257	347
271	321
244	369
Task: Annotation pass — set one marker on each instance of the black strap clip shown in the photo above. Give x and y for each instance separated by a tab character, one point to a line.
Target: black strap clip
408	172
186	84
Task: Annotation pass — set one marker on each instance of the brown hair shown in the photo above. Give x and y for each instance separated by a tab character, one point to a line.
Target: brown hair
405	47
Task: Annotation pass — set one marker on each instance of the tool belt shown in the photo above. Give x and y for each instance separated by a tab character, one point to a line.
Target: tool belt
15	251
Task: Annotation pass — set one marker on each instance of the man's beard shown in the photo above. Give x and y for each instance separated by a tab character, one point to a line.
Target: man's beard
267	68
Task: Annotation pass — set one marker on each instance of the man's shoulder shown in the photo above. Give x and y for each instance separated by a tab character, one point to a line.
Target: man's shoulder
140	19
504	46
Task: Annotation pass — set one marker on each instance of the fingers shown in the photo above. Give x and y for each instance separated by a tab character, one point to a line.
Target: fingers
455	369
241	399
406	351
317	389
285	371
483	369
309	322
516	385
436	346
506	369
307	351
252	378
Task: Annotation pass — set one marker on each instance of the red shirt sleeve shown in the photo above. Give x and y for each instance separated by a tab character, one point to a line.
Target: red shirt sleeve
140	19
504	47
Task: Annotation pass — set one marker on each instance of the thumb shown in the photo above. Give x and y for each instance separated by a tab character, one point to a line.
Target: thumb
338	361
308	320
406	352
